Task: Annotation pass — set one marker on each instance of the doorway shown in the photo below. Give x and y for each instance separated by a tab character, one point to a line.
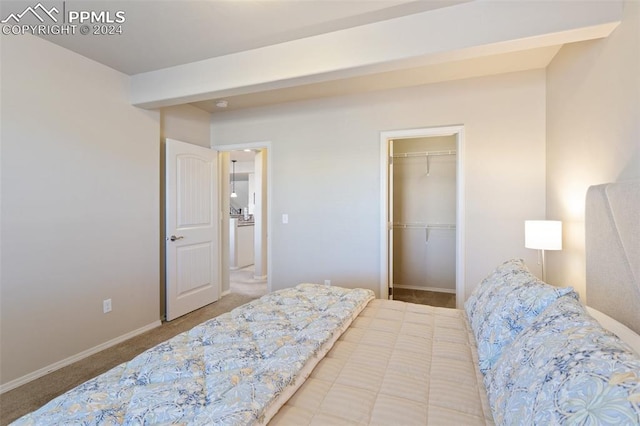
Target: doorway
422	216
245	252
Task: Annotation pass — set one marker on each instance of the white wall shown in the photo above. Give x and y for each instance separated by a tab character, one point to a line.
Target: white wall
80	179
593	133
326	172
260	215
186	123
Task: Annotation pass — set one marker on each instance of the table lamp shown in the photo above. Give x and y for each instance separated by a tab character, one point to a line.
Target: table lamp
543	235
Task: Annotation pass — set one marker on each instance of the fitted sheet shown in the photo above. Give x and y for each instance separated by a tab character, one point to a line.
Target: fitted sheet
398	363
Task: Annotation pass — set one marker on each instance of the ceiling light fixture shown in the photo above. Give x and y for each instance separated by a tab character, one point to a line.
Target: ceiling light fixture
222	104
233	179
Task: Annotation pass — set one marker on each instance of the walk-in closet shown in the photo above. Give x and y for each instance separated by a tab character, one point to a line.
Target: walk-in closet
423	198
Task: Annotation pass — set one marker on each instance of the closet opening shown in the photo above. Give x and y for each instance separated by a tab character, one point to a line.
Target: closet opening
422	211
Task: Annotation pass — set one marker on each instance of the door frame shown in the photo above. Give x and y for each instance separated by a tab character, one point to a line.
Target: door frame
385	249
221	190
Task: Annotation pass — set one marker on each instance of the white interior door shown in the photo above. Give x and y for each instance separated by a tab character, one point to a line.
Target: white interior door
192	249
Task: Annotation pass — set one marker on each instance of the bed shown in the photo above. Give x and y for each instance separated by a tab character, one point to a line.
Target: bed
520	352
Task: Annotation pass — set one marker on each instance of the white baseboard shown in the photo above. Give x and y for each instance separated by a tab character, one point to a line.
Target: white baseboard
68	361
259	277
434	289
224	293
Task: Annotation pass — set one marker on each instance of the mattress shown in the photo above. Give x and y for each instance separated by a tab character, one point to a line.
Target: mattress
307	355
398	363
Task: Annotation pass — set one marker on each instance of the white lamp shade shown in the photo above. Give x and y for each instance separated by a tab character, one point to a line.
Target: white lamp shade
543	234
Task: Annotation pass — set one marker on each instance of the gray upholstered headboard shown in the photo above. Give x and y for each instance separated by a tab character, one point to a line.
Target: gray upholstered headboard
612	219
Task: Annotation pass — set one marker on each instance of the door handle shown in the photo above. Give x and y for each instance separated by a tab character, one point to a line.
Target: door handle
174	238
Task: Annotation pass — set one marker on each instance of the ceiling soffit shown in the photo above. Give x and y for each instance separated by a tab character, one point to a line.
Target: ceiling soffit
469	39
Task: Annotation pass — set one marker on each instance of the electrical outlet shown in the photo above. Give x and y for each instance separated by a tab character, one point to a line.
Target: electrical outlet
106	306
327	282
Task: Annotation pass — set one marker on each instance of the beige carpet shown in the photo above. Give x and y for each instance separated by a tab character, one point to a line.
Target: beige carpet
33	395
242	281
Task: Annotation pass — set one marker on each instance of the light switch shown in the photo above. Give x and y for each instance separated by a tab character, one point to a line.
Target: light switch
285	218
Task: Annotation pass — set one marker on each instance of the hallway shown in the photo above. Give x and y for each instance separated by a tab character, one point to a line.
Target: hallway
241	281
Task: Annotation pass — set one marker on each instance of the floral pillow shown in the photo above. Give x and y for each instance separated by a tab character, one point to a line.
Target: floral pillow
504	303
565	369
493	281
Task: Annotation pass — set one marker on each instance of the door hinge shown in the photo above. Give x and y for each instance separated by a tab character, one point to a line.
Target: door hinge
390	291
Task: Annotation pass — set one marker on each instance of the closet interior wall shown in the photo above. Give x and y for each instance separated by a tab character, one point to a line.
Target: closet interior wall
424	213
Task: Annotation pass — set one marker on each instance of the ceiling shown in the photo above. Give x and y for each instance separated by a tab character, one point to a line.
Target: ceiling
168	33
164	33
406	77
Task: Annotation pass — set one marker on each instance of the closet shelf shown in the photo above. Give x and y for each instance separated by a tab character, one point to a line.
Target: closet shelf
421	225
423	153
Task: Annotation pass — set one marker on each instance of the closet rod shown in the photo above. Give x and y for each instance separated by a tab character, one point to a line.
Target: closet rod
423	153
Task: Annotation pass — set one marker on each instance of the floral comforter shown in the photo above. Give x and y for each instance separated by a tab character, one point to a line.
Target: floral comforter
228	370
